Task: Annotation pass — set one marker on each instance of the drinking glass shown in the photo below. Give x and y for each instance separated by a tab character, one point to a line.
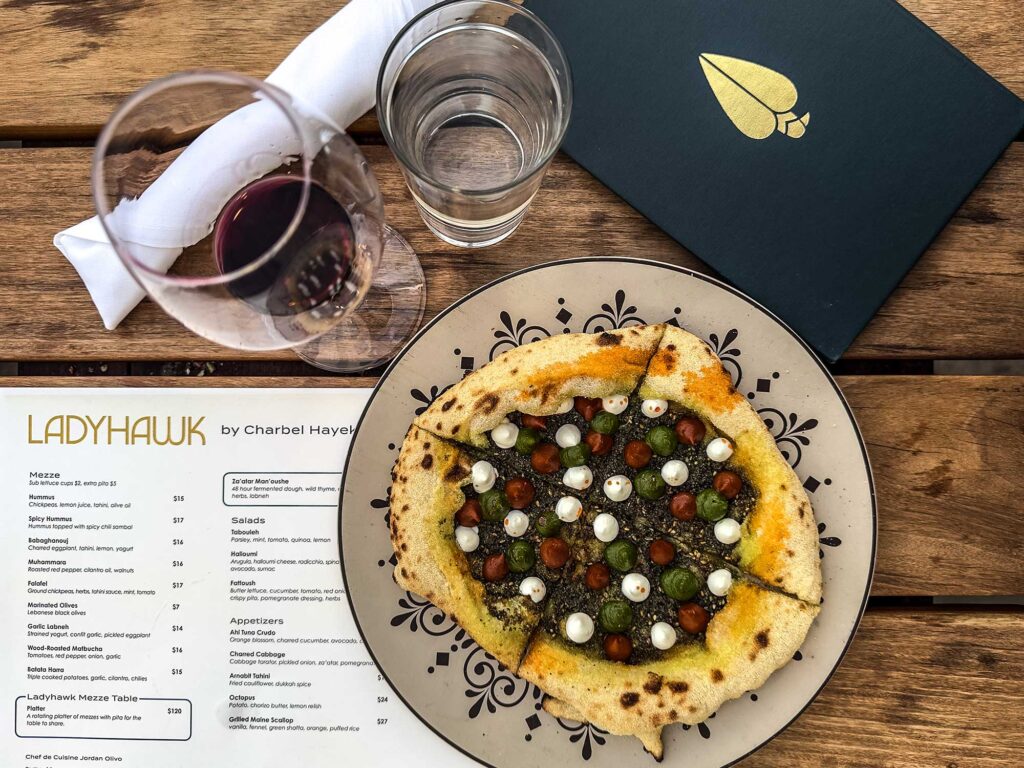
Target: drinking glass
474	98
255	222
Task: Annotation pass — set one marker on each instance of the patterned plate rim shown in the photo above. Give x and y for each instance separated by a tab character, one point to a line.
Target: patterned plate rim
673	268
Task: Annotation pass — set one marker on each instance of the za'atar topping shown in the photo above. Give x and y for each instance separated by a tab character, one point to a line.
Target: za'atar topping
568	435
727	530
675	472
652	409
534	588
663	636
516	523
569	509
719	582
505	435
579	627
606	527
719	449
468	539
483	476
636	587
578	478
615	404
618	487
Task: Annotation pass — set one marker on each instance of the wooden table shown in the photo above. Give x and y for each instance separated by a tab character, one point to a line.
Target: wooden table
928	682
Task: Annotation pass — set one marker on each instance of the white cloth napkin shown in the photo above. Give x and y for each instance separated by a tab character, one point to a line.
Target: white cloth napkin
333	72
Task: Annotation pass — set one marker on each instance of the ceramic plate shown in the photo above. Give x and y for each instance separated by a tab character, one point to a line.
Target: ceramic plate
455	687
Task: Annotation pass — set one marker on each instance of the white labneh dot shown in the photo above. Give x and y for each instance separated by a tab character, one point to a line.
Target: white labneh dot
467	539
606	527
618	487
579	627
516	523
483	476
566	405
636	587
719	582
533	588
675	472
652	409
578	478
568	509
727	530
568	435
615	404
663	636
504	435
719	449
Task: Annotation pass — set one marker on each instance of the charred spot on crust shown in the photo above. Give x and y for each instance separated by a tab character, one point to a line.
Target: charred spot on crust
672	714
447	405
440	425
782	487
762	638
654	683
488	402
405	507
547	391
428	461
455	429
692	709
405	547
629	699
514	371
678	687
405	573
671	347
801	512
717	676
455	473
608	340
790	553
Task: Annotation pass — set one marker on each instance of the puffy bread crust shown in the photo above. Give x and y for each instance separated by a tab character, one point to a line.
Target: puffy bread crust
536	378
779	544
757	632
558	708
425	494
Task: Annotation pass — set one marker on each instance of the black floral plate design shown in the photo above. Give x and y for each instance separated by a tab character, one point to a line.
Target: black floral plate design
453	685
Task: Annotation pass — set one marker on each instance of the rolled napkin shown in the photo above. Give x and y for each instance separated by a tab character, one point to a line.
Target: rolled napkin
332	73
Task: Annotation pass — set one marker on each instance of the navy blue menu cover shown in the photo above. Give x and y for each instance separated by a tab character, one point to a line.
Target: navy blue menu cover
808	150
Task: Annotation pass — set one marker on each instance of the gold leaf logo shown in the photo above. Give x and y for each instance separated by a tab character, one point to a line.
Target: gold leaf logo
758	100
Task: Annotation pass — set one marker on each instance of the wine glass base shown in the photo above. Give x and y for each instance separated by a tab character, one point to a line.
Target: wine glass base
385	320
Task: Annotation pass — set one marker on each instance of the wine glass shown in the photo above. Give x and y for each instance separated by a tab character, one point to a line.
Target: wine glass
255	222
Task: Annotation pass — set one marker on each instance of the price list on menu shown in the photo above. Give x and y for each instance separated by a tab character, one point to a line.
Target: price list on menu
172	594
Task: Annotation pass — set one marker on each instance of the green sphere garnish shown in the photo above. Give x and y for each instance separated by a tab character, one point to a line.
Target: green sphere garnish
621	555
649	484
575	456
527	440
520	556
615	616
548	524
604	423
495	505
711	505
662	440
680	583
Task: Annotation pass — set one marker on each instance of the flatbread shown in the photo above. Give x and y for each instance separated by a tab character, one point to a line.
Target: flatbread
536	378
779	544
425	494
756	633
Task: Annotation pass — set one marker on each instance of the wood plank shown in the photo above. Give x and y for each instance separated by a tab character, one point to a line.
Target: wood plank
946	502
917	688
961	301
947	455
70	62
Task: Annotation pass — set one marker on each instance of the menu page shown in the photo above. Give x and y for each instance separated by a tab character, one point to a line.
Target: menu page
171	586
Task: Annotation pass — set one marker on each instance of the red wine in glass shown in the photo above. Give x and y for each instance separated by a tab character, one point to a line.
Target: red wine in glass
309	270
